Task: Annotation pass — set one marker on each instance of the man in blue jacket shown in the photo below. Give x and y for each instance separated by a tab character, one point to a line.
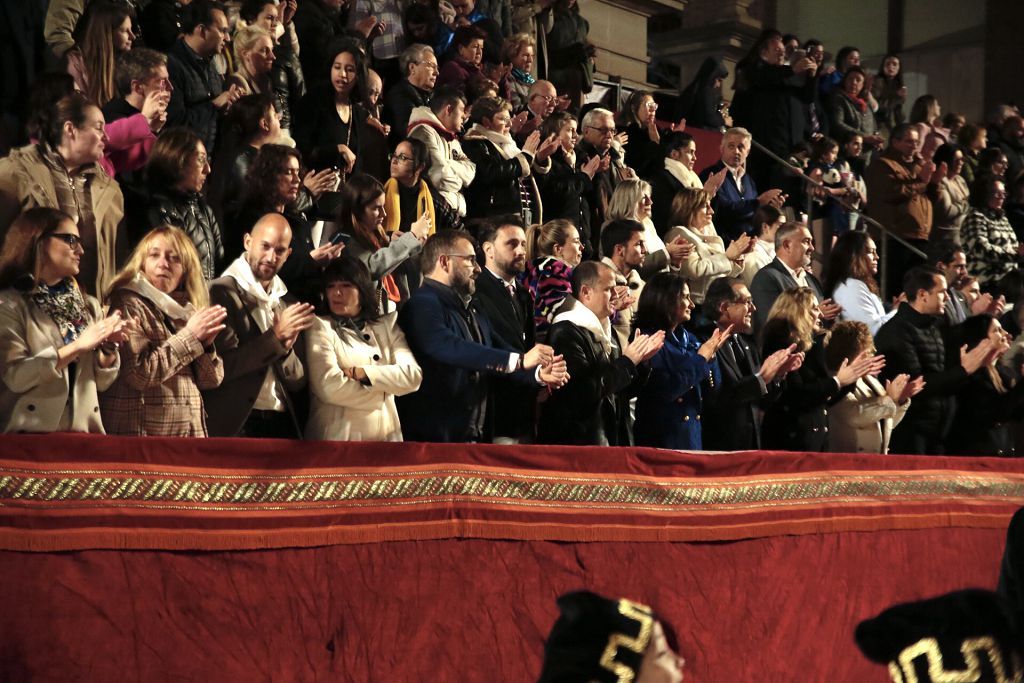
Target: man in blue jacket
454	343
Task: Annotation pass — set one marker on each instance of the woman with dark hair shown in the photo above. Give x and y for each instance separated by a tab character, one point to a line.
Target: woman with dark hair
701	102
175	176
361	216
467	55
992	163
850	112
766	221
553	250
408	194
949	194
990	244
273	185
564	189
62	171
972	140
358	360
668	406
58	349
798	419
570	59
847	57
890	93
850	280
106	32
991	401
925	115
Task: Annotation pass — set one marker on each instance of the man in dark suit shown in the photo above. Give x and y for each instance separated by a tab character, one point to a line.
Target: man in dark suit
790	269
731	408
509	307
258	344
952	261
737	199
455	345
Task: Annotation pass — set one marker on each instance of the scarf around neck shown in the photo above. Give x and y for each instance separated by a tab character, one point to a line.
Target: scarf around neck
165	303
504	142
268	302
64	304
684	175
581	316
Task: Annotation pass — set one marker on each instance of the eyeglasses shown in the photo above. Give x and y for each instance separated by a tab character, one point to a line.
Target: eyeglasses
201	159
400	157
70	239
603	131
547	98
467	258
747	301
429	65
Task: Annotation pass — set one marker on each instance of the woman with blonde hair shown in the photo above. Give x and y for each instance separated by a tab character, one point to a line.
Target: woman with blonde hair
256	71
798	420
553	250
710	259
57	351
518	51
170	357
632	200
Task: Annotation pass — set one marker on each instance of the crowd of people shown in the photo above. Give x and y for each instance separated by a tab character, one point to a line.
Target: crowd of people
399	221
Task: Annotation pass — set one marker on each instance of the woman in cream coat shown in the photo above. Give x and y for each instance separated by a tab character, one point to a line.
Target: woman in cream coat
358	361
863	419
710	259
49	329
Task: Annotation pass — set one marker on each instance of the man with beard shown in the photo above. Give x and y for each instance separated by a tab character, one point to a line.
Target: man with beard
790	269
622	243
455	344
731	419
952	262
258	345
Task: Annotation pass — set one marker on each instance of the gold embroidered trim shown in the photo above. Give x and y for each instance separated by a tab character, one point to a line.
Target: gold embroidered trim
643	615
902	670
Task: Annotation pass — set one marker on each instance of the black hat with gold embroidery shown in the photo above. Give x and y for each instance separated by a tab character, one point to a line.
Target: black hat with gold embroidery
596	639
962	636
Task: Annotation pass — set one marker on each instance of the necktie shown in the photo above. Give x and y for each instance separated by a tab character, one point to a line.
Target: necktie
742	362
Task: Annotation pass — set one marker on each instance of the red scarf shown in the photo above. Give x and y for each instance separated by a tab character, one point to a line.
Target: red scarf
441	130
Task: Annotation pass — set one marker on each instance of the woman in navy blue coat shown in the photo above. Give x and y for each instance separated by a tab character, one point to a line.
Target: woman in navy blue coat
669	404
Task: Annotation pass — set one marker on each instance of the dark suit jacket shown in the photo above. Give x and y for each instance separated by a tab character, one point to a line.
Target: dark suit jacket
733	208
771	281
456	369
731	420
515	404
247	353
664	187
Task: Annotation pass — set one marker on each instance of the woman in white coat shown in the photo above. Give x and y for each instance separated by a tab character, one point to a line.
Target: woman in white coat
850	280
56	348
358	361
863	419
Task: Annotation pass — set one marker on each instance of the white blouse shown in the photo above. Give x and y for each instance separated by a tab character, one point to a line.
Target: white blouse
861	304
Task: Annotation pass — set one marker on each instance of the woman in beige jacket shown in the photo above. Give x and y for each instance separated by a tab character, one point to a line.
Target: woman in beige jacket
358	361
170	356
57	351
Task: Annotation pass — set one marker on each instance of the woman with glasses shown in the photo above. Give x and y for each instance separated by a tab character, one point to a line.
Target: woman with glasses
57	351
850	280
408	194
170	357
175	176
638	119
632	201
990	244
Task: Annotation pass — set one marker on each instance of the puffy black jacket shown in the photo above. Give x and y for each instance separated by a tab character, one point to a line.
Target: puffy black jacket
498	183
564	191
196	85
191	213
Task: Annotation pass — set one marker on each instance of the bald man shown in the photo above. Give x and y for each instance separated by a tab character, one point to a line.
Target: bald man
258	346
540	104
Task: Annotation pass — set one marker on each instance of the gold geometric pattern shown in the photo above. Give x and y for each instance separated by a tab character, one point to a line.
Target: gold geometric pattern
902	670
609	661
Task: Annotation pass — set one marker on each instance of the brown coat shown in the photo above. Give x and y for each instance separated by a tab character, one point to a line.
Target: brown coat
897	198
157	390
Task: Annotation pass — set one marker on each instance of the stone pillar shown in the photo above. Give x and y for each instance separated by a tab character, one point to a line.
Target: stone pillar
618	29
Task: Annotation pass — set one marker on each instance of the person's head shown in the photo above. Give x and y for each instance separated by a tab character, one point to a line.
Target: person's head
558	238
263	13
980	327
951	155
992	161
107	33
141	71
796	312
853	81
592	285
854	255
890	67
347	70
348	290
951	261
542	98
664	304
766	221
631	199
449	106
680	147
419	65
479	86
847	340
729	302
494	114
905	141
815	50
75	128
791	43
41	245
735	147
361	212
972	137
468	43
254	119
691	208
409	161
1013	130
562	125
420	23
824	150
168	260
267	246
622	241
374	88
449	257
970	287
45	91
274	178
846	58
770	48
794	245
591	626
640	106
519	50
205	26
463	8
178	161
254	50
503	240
953	122
599	128
925	109
925	288
988	193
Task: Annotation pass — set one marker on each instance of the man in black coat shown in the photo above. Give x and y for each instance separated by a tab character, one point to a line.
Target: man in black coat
679	151
591	409
509	307
912	343
730	418
419	64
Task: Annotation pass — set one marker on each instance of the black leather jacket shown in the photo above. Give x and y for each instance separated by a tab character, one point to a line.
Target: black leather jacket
191	213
